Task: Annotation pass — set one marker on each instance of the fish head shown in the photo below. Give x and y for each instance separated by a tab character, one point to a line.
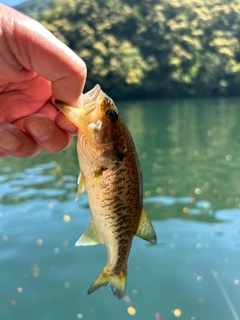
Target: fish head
96	116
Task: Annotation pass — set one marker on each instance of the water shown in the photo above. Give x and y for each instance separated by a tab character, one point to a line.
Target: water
190	157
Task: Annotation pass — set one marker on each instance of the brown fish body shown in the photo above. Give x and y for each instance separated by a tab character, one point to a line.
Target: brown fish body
111	175
115	200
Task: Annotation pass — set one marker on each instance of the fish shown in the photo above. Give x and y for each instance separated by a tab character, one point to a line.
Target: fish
110	174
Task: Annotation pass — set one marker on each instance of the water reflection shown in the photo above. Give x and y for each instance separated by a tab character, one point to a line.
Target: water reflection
192	148
134	115
37	182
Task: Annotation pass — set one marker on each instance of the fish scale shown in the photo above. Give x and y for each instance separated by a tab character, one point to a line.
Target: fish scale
111	175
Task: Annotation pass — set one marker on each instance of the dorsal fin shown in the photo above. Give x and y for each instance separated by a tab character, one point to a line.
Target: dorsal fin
145	229
90	237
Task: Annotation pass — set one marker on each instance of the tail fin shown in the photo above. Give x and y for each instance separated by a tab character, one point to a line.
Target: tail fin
115	281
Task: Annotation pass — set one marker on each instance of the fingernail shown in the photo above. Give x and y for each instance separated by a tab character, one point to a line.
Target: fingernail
8	141
39	130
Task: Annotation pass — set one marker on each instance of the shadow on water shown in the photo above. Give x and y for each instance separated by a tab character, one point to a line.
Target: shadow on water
190	157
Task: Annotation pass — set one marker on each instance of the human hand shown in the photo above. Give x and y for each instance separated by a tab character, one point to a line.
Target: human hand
36	68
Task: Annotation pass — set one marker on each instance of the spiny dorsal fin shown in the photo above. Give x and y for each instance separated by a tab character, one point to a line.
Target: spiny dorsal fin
90	237
145	229
81	186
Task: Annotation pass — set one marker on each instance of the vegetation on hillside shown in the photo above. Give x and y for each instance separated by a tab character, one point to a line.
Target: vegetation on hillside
152	48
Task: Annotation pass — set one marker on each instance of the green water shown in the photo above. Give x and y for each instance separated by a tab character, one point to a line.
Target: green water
190	157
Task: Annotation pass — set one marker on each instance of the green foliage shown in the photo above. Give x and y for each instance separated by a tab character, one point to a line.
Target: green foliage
152	48
34	8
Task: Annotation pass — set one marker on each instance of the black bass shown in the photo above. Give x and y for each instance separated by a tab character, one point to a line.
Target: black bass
111	175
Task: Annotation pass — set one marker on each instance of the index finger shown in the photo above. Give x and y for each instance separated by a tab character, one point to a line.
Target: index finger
32	47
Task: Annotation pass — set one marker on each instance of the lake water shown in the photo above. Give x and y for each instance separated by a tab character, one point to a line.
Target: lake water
190	157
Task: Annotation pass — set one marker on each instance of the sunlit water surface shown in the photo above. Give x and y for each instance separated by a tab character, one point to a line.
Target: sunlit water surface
190	157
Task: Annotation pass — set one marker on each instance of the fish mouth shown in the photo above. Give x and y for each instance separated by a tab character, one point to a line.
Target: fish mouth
87	105
90	99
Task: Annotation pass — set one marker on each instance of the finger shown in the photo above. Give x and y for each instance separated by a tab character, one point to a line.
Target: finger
46	133
65	124
14	142
48	110
3	155
37	49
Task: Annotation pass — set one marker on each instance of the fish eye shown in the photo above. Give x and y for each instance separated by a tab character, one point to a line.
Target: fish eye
112	115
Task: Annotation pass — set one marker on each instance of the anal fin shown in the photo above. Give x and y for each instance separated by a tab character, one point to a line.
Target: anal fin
90	237
145	229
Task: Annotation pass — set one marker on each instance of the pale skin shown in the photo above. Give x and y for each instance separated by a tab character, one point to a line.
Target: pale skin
35	69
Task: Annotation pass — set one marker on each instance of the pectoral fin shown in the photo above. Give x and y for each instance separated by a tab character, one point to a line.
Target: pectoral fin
113	157
98	176
81	186
90	237
145	229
